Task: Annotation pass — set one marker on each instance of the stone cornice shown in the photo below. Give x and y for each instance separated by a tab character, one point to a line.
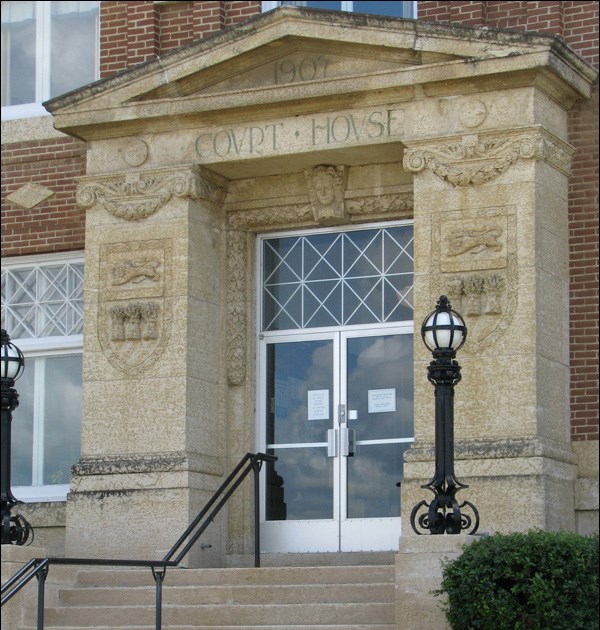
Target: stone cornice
134	196
299	214
477	159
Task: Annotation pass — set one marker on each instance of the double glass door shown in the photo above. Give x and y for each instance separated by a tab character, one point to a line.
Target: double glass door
337	411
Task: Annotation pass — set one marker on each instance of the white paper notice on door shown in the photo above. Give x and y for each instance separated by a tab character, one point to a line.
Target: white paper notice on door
318	404
382	400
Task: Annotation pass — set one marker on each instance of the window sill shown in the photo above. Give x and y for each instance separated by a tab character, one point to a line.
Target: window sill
29	110
41	494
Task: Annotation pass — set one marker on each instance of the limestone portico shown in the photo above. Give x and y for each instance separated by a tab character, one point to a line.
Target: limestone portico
301	119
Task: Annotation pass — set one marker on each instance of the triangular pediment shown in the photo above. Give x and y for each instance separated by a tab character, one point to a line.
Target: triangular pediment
294	60
291	56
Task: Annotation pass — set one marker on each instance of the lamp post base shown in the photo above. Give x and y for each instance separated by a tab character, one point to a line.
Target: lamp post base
16	530
444	515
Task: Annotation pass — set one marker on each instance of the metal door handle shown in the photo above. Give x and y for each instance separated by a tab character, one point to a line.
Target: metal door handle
332	443
348	440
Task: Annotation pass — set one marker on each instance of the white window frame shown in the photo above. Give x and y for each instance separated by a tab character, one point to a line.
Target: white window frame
35	349
346	5
43	11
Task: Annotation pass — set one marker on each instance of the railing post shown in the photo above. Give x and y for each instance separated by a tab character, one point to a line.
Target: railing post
41	578
256	466
158	578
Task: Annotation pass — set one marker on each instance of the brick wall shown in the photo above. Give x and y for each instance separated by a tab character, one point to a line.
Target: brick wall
583	245
56	224
577	24
133	32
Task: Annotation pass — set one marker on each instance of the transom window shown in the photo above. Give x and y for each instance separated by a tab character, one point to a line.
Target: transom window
42	311
48	48
348	278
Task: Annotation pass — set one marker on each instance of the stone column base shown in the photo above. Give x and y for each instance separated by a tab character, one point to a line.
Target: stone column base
140	514
515	484
418	573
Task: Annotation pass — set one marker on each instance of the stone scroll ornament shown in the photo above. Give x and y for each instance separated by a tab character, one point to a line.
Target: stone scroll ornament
136	196
481	159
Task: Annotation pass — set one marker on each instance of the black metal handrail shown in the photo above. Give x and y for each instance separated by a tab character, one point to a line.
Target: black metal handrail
39	567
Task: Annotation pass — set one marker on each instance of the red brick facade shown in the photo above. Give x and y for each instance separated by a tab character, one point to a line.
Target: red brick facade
133	32
56	224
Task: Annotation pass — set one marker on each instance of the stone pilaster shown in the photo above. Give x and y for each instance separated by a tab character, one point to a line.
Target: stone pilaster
151	436
491	232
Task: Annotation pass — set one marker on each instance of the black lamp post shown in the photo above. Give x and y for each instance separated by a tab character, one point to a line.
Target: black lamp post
15	529
444	332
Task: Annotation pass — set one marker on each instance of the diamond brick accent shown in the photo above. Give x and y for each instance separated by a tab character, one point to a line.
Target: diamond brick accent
30	195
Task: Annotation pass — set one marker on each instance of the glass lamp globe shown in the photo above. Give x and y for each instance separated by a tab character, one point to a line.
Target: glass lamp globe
11	359
444	328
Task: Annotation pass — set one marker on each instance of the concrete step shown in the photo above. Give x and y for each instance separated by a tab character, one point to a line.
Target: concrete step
290	598
336	559
240	594
385	626
264	576
241	615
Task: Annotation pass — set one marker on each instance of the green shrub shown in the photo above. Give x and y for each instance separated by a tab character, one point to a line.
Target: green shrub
540	580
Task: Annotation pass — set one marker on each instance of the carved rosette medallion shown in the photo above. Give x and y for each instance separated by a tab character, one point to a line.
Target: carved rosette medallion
136	196
134	305
135	153
478	159
474	263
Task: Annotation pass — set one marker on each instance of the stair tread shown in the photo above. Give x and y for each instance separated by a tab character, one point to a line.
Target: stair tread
345	626
232	594
261	576
270	598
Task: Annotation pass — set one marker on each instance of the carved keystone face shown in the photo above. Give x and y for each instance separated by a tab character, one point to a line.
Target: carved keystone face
326	192
324	188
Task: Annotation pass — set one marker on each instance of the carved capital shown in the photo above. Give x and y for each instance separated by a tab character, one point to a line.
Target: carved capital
136	196
478	159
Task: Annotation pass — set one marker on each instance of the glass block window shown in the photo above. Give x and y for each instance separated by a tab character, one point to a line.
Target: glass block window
42	311
337	279
43	300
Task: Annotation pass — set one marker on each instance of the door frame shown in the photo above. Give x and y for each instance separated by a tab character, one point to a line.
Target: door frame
307	535
350	534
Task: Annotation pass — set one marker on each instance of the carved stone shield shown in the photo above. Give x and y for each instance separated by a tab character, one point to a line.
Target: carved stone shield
134	309
474	263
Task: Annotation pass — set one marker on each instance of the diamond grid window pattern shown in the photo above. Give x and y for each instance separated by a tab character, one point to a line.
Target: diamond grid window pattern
43	301
338	279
